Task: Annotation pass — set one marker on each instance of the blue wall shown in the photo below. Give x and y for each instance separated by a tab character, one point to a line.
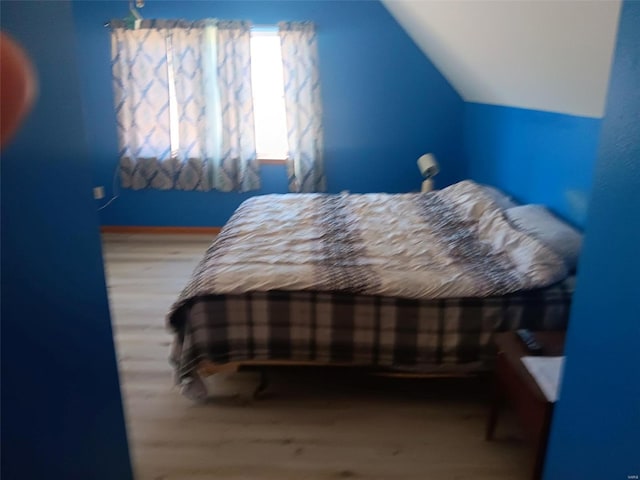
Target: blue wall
596	427
538	157
384	105
61	410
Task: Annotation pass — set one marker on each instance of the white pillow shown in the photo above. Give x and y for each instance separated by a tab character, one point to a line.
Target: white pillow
539	222
499	198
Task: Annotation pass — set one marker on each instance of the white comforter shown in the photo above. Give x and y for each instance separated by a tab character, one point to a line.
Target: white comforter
450	243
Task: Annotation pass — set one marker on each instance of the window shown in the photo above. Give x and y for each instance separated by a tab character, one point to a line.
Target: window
268	95
180	116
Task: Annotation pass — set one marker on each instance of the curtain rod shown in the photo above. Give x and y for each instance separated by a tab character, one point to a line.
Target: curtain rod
107	24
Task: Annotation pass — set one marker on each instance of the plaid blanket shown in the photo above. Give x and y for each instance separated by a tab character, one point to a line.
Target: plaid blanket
428	335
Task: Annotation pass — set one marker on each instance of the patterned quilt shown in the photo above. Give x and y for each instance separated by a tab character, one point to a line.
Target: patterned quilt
450	243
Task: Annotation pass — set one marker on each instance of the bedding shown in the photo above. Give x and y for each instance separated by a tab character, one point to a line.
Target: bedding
500	198
559	236
449	334
330	277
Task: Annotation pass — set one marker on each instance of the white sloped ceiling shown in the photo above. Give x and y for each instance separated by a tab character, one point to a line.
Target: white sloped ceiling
552	55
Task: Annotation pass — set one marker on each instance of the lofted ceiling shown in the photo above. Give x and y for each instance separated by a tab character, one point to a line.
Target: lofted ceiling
552	55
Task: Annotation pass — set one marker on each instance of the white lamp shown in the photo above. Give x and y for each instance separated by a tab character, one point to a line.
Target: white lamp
428	168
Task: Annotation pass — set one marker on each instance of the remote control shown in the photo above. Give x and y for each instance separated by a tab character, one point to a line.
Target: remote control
530	343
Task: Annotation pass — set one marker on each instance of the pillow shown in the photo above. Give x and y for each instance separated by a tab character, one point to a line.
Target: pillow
499	198
539	222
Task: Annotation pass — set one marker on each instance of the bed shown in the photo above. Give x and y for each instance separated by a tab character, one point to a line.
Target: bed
414	282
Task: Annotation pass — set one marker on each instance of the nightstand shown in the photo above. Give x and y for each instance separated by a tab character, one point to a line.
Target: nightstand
514	385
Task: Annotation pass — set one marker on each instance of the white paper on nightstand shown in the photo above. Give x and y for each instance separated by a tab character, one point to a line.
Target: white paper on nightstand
547	372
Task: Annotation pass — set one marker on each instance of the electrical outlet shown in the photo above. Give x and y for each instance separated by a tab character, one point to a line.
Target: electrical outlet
98	192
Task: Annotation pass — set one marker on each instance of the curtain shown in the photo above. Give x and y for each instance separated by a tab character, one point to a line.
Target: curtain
141	95
175	108
303	109
191	153
238	167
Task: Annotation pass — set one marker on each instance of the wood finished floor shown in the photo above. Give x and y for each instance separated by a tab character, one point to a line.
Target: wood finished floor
312	424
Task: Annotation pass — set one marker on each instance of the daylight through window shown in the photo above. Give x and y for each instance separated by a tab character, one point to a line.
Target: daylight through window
268	95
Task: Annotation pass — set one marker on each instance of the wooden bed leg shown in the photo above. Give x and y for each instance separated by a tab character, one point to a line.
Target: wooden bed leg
264	383
493	418
497	401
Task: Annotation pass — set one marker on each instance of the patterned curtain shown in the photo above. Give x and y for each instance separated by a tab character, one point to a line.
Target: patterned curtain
191	153
238	166
302	101
170	96
141	93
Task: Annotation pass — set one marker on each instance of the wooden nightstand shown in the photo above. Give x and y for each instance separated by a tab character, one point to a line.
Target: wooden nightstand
515	385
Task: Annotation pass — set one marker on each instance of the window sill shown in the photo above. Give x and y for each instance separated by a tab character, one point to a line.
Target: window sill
272	161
